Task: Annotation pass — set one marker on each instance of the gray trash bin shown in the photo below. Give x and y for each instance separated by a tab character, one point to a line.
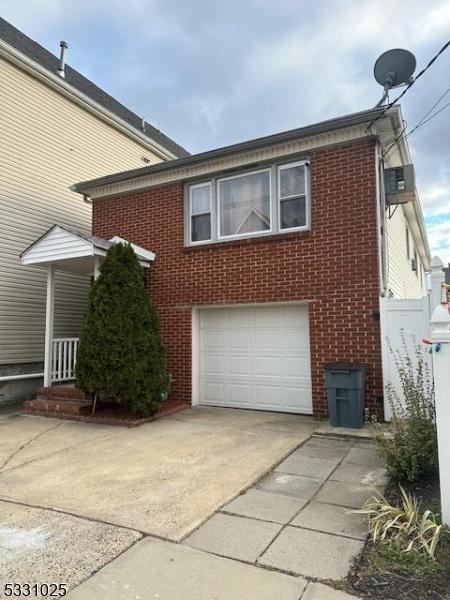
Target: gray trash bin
346	393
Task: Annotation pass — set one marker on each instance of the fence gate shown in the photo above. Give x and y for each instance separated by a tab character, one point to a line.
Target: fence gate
411	316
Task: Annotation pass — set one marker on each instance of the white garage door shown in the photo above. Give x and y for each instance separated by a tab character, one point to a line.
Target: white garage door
255	357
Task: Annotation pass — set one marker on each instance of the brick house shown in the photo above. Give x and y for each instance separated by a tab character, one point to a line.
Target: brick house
271	257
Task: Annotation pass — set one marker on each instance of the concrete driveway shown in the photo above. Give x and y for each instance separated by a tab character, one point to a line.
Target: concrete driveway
164	478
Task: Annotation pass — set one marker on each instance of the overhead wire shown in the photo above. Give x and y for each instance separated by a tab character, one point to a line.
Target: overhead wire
410	84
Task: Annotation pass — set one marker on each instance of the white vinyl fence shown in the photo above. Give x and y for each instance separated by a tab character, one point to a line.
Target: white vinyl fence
403	323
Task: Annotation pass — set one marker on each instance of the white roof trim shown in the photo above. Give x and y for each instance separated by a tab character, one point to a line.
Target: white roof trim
73	250
146	254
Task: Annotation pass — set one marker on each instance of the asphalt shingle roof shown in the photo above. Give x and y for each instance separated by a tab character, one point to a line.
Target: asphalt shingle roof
47	60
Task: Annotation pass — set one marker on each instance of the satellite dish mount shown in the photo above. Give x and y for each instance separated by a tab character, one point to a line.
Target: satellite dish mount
394	68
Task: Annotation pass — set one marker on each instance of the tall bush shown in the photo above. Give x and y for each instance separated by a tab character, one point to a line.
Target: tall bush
409	444
121	356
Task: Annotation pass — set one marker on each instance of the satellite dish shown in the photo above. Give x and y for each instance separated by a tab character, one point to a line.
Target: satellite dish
394	68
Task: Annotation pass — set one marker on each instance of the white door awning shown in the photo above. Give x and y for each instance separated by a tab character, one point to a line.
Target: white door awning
68	249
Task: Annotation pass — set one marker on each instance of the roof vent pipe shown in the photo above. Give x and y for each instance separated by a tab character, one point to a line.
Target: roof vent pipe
62	59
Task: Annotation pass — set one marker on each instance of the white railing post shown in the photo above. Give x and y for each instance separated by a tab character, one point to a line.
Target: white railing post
437	278
49	311
64	359
440	334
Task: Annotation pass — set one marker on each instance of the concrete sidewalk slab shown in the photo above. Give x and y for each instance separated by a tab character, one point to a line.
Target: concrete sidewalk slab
266	506
320	448
298	464
330	518
311	553
163	478
365	456
319	591
289	485
233	536
360	474
157	569
345	494
43	546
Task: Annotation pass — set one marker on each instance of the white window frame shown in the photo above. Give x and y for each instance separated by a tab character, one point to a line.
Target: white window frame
299	163
247	233
213	181
191	214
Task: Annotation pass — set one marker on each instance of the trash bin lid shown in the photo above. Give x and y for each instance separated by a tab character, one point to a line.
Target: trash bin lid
345	366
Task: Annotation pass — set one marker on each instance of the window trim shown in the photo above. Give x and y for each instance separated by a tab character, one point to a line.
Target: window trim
191	214
408	247
306	226
236	236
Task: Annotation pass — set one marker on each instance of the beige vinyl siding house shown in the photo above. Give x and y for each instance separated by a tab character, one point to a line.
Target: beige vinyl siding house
403	280
48	141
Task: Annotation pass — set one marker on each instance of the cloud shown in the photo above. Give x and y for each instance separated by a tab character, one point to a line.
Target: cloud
211	73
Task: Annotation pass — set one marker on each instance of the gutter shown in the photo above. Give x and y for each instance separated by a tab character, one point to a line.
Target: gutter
61	86
256	144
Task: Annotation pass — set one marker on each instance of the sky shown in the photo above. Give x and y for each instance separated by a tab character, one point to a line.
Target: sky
212	72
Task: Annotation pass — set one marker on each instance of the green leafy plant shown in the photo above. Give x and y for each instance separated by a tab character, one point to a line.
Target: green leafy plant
409	443
405	527
121	357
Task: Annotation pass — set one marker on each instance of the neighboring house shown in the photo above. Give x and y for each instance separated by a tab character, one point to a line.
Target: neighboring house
272	256
56	127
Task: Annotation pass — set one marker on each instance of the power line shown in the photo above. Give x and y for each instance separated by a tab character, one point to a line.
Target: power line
410	84
422	121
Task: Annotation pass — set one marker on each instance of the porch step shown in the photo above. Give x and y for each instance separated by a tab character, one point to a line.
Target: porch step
58	400
63	392
57	406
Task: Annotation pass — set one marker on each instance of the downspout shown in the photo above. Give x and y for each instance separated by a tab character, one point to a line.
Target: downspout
381	209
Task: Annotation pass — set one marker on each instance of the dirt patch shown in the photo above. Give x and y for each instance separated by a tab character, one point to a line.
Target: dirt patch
378	576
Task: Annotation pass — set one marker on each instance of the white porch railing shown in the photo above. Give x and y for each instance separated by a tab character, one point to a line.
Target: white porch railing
64	358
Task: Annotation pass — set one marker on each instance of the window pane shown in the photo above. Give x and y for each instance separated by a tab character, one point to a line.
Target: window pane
245	204
292	181
293	212
200	199
201	228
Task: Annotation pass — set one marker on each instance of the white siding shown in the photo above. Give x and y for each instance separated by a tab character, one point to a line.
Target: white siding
403	282
47	143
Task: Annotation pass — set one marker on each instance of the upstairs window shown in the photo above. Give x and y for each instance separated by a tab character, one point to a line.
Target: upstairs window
244	204
292	195
200	212
270	200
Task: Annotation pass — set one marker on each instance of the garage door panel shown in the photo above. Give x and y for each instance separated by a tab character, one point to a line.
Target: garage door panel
240	340
239	365
297	366
213	392
294	316
267	366
295	339
212	365
240	394
267	339
212	339
255	357
292	399
212	319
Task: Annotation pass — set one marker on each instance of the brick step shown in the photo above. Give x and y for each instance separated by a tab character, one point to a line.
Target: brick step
57	406
63	392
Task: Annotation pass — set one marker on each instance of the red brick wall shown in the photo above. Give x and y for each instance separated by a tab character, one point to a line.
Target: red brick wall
335	266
